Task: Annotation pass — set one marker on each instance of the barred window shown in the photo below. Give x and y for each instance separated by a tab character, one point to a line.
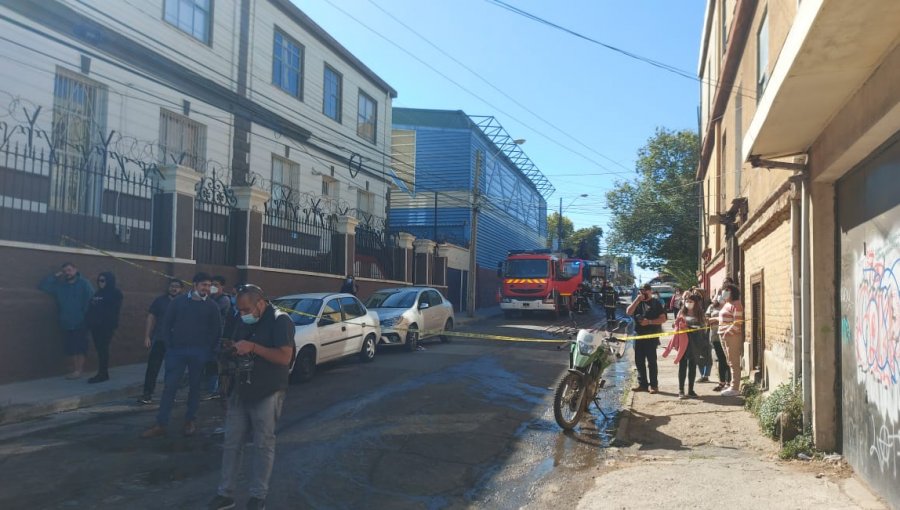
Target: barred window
182	141
365	202
367	117
79	122
285	177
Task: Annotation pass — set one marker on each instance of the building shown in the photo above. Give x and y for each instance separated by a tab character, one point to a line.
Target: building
439	156
235	137
800	114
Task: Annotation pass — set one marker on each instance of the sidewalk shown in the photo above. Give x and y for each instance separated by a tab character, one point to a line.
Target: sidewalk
710	451
37	398
41	397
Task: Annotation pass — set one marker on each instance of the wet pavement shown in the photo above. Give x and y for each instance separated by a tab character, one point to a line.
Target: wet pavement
461	424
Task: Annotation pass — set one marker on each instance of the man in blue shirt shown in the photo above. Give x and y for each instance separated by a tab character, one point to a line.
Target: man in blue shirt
73	295
191	327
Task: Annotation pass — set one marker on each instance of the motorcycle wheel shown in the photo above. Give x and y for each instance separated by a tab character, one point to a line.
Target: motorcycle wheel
568	406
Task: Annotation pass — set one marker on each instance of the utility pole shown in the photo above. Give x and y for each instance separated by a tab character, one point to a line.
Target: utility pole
434	235
473	236
559	227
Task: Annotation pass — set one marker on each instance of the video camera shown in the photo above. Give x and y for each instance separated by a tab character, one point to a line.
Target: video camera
231	364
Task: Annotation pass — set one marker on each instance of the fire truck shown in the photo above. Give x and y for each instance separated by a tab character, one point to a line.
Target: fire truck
540	280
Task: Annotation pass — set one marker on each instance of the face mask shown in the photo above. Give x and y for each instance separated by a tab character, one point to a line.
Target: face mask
249	319
199	295
213	290
726	296
690	306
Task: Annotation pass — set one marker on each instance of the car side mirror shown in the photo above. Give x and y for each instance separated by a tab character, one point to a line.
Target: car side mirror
423	306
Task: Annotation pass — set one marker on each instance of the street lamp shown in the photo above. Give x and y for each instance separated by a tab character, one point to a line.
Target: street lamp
559	220
473	235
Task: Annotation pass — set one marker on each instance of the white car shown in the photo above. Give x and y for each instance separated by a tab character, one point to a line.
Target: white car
329	326
409	314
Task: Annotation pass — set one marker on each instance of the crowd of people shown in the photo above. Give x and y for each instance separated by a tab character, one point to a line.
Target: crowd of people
702	326
236	346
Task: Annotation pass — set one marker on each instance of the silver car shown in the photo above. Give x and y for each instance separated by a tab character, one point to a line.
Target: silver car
408	314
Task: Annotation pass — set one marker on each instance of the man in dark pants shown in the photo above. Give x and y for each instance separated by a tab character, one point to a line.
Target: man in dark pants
266	336
649	316
155	315
610	299
191	327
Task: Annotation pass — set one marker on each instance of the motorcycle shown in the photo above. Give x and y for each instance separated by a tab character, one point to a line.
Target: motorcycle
589	355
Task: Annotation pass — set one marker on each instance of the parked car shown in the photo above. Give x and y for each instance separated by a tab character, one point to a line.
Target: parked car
329	326
409	314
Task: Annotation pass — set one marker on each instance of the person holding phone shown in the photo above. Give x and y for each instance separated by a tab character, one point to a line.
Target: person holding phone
649	316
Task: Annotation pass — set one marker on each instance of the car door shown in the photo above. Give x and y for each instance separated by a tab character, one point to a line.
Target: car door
432	314
331	331
354	317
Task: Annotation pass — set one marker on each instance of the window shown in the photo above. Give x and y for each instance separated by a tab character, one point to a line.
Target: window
285	177
331	314
329	187
79	121
192	17
762	56
331	100
182	141
365	202
352	308
287	65
432	298
367	117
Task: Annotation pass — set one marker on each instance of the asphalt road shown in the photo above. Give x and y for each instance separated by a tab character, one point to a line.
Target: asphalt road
466	424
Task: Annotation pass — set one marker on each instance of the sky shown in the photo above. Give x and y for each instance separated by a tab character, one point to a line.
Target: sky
583	109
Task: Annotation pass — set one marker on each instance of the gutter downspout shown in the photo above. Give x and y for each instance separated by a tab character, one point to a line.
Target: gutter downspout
796	303
805	303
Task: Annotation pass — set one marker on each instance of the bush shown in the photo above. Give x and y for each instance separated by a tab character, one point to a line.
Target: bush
783	399
752	396
800	444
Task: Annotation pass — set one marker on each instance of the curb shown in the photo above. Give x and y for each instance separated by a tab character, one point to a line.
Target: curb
17	413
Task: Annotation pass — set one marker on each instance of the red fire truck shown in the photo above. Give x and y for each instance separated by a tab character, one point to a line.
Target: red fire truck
540	280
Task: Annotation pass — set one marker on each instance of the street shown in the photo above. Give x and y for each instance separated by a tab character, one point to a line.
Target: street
461	424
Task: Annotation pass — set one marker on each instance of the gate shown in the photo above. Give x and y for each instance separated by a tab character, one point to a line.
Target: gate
213	205
376	251
298	235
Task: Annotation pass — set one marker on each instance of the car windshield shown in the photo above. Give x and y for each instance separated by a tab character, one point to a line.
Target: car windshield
394	299
308	309
526	268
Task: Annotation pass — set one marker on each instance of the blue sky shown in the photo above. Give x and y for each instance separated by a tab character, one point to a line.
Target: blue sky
605	104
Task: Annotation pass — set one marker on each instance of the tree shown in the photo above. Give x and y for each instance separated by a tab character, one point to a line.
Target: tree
568	228
655	214
585	242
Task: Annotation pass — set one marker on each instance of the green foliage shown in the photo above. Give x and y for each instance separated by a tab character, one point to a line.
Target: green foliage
800	444
785	398
568	228
656	214
752	396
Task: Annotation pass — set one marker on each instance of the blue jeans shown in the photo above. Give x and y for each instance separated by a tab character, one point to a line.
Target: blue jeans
177	360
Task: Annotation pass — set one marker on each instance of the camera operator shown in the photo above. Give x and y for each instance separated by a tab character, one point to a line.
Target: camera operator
649	317
264	349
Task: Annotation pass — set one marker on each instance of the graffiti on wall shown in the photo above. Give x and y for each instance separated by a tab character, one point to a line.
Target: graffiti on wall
874	335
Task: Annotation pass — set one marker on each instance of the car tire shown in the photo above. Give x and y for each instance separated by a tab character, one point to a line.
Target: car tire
304	366
448	326
367	352
412	338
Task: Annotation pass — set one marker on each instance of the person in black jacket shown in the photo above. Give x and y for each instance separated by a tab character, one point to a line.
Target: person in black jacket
103	319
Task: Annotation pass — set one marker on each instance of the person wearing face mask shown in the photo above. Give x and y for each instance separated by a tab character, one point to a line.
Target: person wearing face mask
692	313
191	327
649	316
731	320
266	335
73	294
103	319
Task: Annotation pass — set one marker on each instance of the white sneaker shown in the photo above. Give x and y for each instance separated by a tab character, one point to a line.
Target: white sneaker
730	393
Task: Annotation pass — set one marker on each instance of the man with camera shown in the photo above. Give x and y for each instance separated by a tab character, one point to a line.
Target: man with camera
649	316
262	349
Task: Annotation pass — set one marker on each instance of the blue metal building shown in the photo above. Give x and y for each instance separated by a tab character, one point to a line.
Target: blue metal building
435	156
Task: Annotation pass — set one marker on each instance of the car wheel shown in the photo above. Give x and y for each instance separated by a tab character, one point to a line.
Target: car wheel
304	365
367	353
448	326
412	338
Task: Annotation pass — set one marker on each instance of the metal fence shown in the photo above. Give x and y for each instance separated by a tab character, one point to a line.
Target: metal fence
377	255
213	208
299	236
46	195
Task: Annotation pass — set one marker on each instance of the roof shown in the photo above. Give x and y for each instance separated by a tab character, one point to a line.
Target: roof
294	12
490	131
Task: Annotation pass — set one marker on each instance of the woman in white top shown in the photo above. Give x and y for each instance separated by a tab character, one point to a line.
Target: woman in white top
731	321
